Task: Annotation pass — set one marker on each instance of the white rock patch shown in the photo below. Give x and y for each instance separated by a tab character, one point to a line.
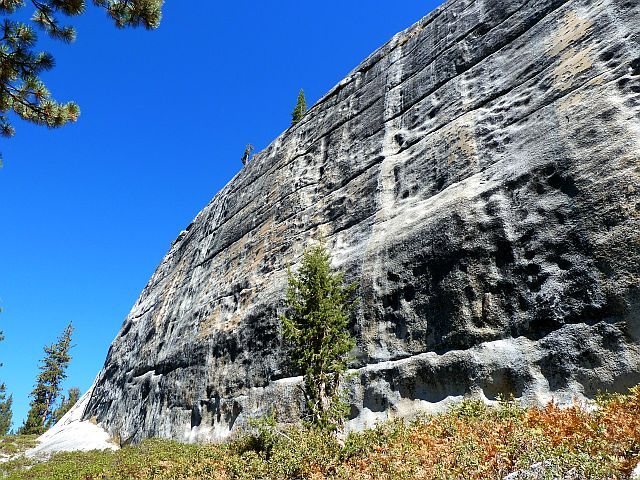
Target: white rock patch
72	433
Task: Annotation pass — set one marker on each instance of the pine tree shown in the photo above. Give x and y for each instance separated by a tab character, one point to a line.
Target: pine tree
48	385
246	156
300	110
316	326
65	404
22	92
6	415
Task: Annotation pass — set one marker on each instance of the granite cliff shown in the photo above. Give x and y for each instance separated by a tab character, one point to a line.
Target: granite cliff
478	175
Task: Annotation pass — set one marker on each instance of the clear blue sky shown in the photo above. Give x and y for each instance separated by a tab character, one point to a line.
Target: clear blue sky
88	211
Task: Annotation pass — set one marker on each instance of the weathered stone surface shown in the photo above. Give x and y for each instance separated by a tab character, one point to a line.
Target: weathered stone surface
478	176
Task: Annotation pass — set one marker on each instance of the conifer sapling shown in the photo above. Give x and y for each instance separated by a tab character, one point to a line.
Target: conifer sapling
316	325
300	109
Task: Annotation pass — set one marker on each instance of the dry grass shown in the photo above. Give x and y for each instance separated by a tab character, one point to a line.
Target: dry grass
476	442
471	441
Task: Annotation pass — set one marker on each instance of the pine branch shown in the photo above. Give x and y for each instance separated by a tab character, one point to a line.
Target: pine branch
22	93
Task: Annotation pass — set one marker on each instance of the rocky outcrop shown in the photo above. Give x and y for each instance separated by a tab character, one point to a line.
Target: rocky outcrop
478	175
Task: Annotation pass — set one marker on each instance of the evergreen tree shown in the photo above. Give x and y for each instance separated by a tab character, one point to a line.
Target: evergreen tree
6	415
317	327
5	405
246	156
300	110
22	92
48	385
65	404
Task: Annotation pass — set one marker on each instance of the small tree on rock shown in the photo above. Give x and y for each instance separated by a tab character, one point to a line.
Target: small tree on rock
300	110
48	385
246	156
316	325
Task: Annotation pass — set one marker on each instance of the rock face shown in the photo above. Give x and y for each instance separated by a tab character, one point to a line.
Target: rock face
478	175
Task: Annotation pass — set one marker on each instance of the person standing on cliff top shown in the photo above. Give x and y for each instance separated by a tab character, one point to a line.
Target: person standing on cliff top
247	154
